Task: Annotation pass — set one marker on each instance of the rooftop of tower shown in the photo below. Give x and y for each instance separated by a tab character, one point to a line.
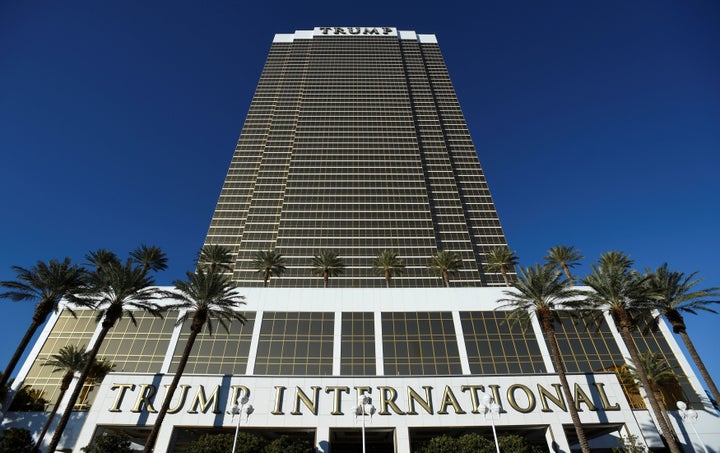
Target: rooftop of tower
354	31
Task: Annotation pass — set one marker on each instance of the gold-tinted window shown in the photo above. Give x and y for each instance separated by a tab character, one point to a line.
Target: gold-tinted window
223	352
67	331
135	349
295	343
421	343
652	341
358	344
496	346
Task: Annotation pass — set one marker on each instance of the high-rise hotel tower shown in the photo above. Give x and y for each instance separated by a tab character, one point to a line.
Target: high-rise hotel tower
355	143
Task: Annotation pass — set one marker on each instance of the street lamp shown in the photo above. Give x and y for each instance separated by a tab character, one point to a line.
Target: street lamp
364	407
691	415
237	409
488	404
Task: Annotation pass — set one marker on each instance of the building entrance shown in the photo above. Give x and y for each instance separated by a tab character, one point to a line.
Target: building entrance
377	440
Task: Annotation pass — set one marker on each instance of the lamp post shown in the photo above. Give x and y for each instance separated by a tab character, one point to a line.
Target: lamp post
488	404
237	409
364	407
691	415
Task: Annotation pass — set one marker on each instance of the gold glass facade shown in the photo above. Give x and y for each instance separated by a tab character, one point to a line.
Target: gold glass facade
358	344
295	343
420	344
135	349
223	352
496	346
356	145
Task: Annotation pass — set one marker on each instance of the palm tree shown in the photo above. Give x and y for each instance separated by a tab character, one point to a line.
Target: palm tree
443	264
389	265
564	256
326	264
659	373
542	291
70	359
98	259
674	294
150	257
270	262
501	259
99	369
215	257
47	283
116	289
209	295
623	292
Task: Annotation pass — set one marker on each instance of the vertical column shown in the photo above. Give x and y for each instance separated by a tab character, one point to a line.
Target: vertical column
379	356
337	343
537	330
556	439
322	439
252	353
172	345
460	339
402	439
164	437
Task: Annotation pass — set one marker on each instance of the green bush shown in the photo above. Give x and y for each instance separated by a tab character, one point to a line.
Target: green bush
287	444
109	442
28	399
475	443
222	443
16	440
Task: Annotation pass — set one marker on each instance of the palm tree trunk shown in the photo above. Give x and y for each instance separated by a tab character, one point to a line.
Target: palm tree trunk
624	329
504	274
659	397
566	269
152	438
266	277
78	388
446	279
63	389
387	278
19	351
326	277
700	365
548	327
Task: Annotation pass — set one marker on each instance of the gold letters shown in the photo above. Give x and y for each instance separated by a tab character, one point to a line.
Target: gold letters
279	392
513	402
386	401
181	401
557	398
387	398
424	403
120	395
473	395
204	403
603	397
147	391
448	399
301	396
581	397
338	390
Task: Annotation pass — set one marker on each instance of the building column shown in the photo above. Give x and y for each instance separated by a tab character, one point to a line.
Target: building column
322	439
556	439
402	439
164	437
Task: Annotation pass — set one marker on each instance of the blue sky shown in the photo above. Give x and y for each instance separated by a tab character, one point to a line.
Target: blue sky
597	123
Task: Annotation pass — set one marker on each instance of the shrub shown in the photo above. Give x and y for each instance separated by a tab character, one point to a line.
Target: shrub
16	440
222	443
109	442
